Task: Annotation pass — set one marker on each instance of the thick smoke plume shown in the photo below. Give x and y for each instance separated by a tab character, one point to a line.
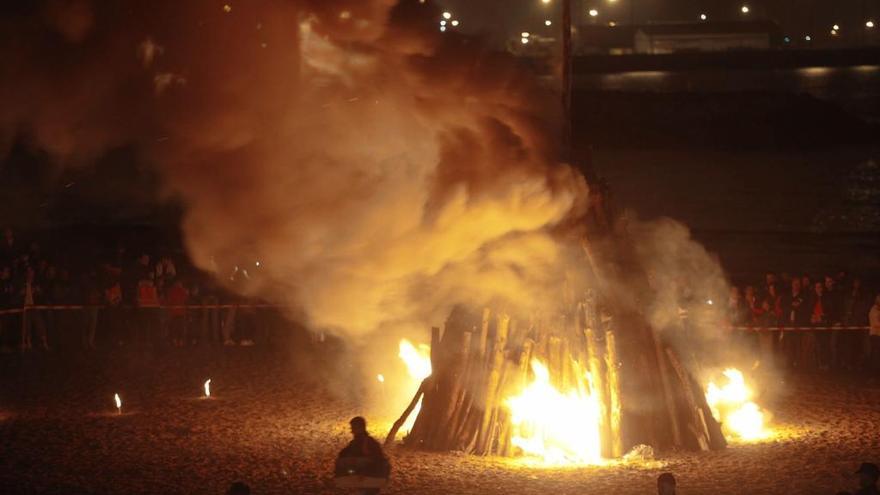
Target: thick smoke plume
378	171
365	170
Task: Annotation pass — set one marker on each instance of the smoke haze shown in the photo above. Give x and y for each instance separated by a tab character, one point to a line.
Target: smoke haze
379	171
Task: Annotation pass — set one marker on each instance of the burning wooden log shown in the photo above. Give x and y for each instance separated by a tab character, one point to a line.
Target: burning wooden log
605	383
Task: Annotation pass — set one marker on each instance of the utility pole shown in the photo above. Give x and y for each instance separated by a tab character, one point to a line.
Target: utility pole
566	81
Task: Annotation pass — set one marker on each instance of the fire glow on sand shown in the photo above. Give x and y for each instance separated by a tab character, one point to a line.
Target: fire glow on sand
207	387
733	407
118	401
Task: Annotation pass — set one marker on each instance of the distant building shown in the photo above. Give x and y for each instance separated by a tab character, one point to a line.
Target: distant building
656	39
605	40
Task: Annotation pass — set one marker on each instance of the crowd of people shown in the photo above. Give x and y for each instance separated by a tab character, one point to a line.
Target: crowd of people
125	299
131	297
832	322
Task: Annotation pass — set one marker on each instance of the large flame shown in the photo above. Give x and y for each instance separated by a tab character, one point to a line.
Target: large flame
559	427
417	359
732	405
418	363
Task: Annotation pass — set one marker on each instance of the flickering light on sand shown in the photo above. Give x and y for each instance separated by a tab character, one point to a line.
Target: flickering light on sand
208	388
118	402
559	427
732	406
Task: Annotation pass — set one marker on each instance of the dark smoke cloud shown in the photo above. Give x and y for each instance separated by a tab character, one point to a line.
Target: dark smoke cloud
379	171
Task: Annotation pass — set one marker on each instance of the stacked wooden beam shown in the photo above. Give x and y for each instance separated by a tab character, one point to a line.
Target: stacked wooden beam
480	360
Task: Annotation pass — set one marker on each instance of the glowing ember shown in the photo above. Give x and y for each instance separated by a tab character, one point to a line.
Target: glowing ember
118	401
208	387
561	428
732	406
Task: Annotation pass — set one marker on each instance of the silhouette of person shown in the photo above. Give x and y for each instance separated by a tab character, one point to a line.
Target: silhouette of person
666	484
363	455
868	474
239	488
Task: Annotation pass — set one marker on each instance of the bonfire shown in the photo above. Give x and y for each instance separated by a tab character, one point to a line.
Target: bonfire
577	389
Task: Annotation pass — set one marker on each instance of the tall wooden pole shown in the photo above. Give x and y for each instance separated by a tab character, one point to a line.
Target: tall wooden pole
566	81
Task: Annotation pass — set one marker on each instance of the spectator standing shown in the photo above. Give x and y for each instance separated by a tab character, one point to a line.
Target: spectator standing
736	309
833	302
92	300
206	293
771	318
32	319
9	248
795	311
114	312
820	307
666	484
46	275
874	319
868	473
855	305
177	295
166	272
7	301
148	311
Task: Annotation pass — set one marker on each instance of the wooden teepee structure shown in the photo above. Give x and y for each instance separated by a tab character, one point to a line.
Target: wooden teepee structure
646	393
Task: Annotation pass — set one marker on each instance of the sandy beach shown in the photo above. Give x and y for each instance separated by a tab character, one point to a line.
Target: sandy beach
277	420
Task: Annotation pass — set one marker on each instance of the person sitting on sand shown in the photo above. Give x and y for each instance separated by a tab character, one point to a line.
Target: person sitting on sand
363	455
868	474
666	484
